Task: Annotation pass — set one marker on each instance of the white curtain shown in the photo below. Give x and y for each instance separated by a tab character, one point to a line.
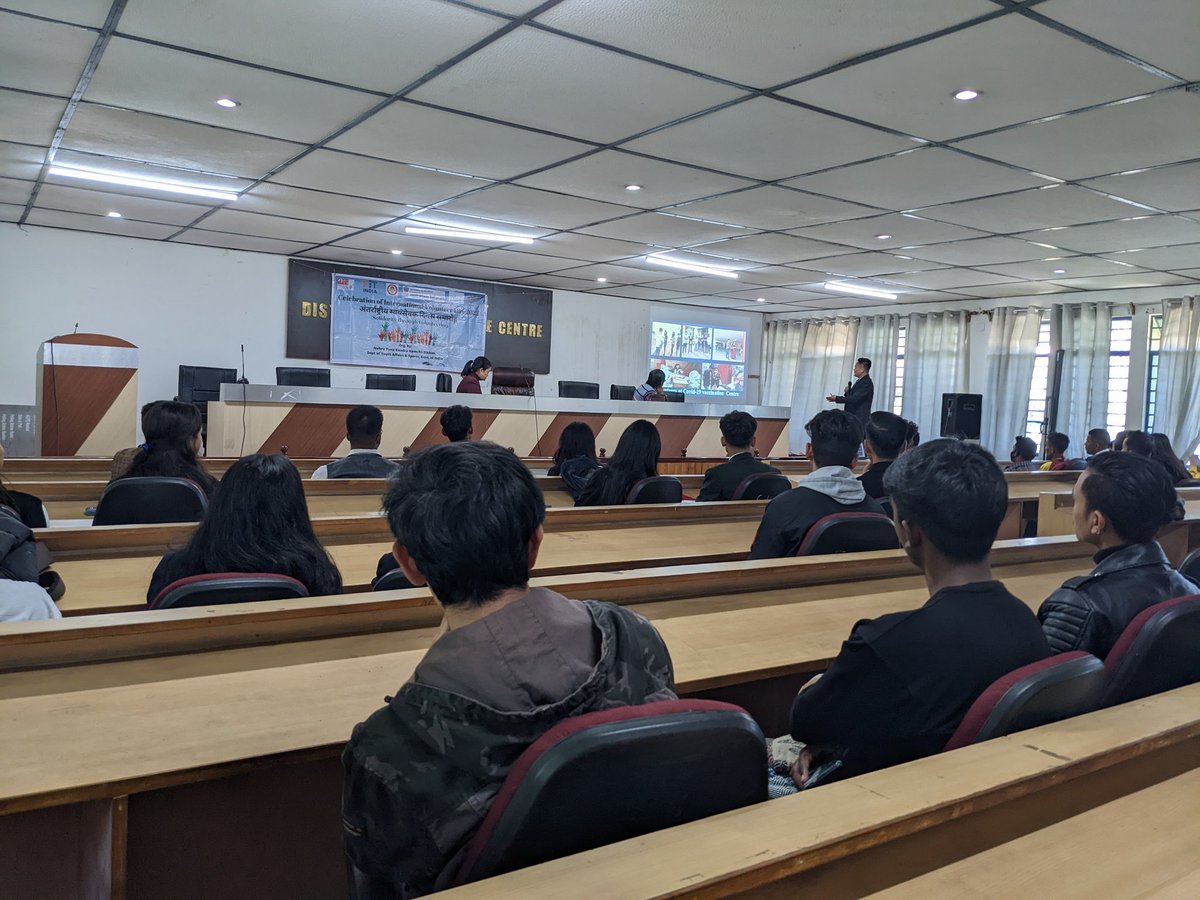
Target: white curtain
780	355
878	337
1084	334
935	363
1011	353
1177	400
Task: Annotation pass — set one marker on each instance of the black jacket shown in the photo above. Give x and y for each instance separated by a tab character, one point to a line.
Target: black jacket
1090	612
722	480
872	479
788	517
858	398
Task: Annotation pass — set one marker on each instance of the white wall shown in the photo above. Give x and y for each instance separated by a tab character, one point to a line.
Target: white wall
195	305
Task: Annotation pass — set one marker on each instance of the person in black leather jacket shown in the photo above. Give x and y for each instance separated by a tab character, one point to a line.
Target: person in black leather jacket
1121	502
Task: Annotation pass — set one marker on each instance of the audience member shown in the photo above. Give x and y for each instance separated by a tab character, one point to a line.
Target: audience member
122	460
172	447
834	439
912	436
1023	456
902	683
886	436
364	431
258	523
457	423
22	598
1138	443
652	388
737	437
1118	443
1097	441
474	373
1162	452
1121	502
1057	445
575	459
635	458
509	663
29	509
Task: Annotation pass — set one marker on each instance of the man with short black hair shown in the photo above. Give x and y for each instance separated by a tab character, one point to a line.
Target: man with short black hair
1097	441
364	431
509	663
456	423
1121	502
834	439
737	437
1023	456
886	436
859	395
652	388
902	683
1057	445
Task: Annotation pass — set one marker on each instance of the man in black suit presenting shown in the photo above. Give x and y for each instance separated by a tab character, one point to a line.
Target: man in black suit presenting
737	437
860	394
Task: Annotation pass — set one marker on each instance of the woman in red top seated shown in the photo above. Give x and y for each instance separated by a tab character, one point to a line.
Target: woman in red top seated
474	372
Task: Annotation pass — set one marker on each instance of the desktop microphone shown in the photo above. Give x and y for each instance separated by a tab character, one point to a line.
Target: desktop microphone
76	331
243	379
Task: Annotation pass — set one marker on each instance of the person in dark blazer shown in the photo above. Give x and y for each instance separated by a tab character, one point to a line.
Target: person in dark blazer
737	437
886	436
902	683
860	394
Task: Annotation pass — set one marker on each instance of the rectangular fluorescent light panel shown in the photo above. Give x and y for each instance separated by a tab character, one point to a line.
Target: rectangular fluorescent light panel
469	235
170	187
691	267
842	288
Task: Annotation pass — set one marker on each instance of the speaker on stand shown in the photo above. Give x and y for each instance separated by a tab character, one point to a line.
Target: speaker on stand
961	415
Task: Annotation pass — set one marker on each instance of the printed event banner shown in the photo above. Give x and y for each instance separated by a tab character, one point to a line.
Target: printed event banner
380	322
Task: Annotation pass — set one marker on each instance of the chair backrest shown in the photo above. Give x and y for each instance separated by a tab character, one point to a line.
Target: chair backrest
512	380
762	486
584	390
849	532
149	500
886	503
659	489
220	588
1191	566
393	580
444	383
1158	651
200	384
674	396
301	376
391	382
620	392
1050	690
607	776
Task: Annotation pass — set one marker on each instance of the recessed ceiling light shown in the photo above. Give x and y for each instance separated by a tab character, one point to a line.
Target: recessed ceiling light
1060	271
228	103
170	187
113	214
397	252
966	94
470	234
633	187
690	267
760	299
842	287
602	280
883	237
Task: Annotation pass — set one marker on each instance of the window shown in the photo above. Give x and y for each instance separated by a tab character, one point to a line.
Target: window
898	397
1039	388
1156	323
1120	341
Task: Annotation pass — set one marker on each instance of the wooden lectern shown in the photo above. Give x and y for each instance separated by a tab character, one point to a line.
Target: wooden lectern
87	401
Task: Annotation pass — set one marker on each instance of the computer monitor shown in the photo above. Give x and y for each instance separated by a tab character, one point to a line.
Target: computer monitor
301	376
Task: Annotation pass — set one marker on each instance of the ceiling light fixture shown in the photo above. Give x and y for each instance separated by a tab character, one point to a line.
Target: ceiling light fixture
397	252
883	237
842	287
602	280
966	94
113	214
760	299
227	103
171	187
690	267
470	234
633	187
1060	271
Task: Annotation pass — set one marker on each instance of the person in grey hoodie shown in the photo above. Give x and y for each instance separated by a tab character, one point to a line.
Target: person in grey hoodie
834	437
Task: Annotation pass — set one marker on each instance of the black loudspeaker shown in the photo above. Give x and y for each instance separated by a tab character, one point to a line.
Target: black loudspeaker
961	414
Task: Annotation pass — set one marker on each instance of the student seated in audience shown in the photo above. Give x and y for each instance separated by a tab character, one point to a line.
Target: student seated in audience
912	436
652	388
575	459
902	683
27	507
364	431
1023	456
509	663
737	437
1118	444
257	523
1164	454
886	436
1057	445
1097	441
474	373
173	445
22	598
1138	443
1121	502
635	458
457	423
834	437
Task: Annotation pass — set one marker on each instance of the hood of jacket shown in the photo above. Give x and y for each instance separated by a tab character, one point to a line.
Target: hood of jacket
837	482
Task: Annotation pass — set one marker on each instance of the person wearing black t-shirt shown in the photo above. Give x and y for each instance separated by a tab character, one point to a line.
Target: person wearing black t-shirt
903	682
886	433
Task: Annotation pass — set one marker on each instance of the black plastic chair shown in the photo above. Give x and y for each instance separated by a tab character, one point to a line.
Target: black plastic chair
620	392
659	489
849	532
391	382
583	390
1158	651
888	510
444	383
301	376
1050	690
391	581
221	588
150	500
1191	567
762	486
674	396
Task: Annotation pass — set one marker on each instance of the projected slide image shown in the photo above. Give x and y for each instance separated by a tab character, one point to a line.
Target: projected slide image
697	342
699	360
666	339
729	345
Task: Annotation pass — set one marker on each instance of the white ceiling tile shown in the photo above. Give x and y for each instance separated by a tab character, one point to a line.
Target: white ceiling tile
979	252
604	175
437	248
467	270
1013	289
768	139
526	263
82	222
556	282
1046	207
1125	234
775	276
911	90
905	231
20	160
230	241
770	248
100	203
755	42
186	86
1098	142
921	178
948	279
695	284
584	246
186	145
276	227
664	230
1193	274
1119	282
318	206
377	44
1173	188
864	265
78	12
42	56
27	119
410	246
11	212
345	173
1043	269
637	292
1161	32
541	80
772	208
776	295
374	258
527	206
618	274
444	140
1183	256
512	7
14	190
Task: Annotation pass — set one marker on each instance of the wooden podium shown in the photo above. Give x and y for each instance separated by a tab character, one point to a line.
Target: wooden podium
87	402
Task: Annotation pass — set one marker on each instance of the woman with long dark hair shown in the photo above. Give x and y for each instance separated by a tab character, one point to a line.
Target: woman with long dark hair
575	459
635	458
1164	453
473	373
173	443
257	523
